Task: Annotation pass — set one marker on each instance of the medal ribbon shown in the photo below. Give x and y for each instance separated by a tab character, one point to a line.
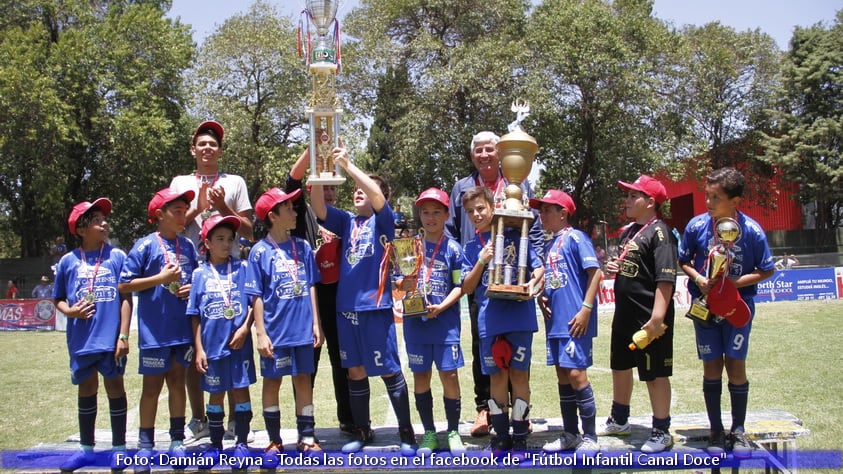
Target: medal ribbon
429	267
294	270
96	267
627	245
164	249
550	260
497	186
226	296
383	269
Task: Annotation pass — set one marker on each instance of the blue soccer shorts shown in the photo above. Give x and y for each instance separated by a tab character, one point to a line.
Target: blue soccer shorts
235	371
522	352
159	360
721	339
288	361
570	352
82	366
447	357
368	338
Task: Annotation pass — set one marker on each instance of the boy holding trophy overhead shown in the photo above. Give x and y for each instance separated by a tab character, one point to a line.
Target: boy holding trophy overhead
365	323
721	343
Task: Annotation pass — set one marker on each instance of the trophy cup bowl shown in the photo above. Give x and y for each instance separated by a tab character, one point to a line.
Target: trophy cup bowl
728	232
408	258
322	12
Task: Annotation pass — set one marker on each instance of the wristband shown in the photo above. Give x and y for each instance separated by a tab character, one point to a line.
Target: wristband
481	261
697	280
588	305
124	337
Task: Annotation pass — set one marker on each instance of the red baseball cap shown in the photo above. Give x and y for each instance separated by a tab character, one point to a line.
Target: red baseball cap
218	219
103	204
435	195
647	185
271	198
209	124
725	300
164	197
555	196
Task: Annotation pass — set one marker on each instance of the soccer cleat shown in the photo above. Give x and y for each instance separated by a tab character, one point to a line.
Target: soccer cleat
408	441
177	453
308	445
500	444
230	433
364	437
588	445
739	444
145	453
716	442
455	442
79	459
613	428
658	442
198	429
566	442
271	455
429	443
481	424
210	458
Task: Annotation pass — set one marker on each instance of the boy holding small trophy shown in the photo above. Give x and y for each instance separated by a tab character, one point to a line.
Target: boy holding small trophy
745	261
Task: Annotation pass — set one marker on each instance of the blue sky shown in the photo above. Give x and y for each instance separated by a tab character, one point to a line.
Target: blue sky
775	17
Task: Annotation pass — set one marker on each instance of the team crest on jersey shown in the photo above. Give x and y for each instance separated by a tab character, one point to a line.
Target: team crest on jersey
101	294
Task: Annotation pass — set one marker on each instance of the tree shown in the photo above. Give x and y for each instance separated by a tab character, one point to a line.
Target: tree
249	78
90	98
460	60
806	141
593	81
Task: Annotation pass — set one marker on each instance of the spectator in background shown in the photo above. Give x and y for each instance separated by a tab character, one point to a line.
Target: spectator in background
57	250
786	262
11	291
44	289
400	218
601	255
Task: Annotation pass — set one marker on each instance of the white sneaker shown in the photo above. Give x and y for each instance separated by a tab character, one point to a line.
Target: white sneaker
613	428
588	446
231	434
198	429
566	442
658	442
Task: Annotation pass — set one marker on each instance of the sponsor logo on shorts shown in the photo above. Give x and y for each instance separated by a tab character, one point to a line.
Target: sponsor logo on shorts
153	362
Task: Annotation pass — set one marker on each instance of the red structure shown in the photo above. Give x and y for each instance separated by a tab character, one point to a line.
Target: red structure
781	211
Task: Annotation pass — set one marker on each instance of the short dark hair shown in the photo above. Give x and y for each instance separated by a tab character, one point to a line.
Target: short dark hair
730	180
385	190
478	192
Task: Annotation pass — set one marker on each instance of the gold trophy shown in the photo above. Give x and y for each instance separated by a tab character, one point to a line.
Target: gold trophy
324	112
508	268
728	232
408	254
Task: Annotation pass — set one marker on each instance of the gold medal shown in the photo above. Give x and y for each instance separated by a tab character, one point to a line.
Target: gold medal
174	287
297	289
352	259
228	313
555	283
205	214
90	298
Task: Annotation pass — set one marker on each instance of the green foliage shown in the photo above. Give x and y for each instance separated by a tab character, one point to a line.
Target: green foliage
249	78
806	143
89	106
593	85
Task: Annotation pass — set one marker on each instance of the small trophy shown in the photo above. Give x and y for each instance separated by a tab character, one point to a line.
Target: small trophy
408	256
324	112
508	268
728	232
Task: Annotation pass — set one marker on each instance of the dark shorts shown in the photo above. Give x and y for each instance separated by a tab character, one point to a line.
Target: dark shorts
656	360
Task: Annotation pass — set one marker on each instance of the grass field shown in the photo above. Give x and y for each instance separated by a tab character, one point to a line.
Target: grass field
795	364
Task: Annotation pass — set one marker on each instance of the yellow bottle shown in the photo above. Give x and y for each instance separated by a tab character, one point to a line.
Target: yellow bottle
640	340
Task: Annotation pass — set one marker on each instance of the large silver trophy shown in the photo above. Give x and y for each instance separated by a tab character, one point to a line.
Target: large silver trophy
408	254
508	268
727	232
324	112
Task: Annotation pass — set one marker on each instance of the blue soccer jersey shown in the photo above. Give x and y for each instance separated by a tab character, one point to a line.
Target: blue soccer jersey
282	277
80	273
751	251
568	255
364	242
438	275
218	297
161	314
499	316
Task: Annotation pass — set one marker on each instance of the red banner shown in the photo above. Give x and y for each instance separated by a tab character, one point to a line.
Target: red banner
27	315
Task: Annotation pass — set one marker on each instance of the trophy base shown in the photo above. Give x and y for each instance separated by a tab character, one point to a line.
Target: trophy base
699	312
414	307
325	179
508	292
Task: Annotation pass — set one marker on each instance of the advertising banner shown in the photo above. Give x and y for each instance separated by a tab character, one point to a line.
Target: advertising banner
30	314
